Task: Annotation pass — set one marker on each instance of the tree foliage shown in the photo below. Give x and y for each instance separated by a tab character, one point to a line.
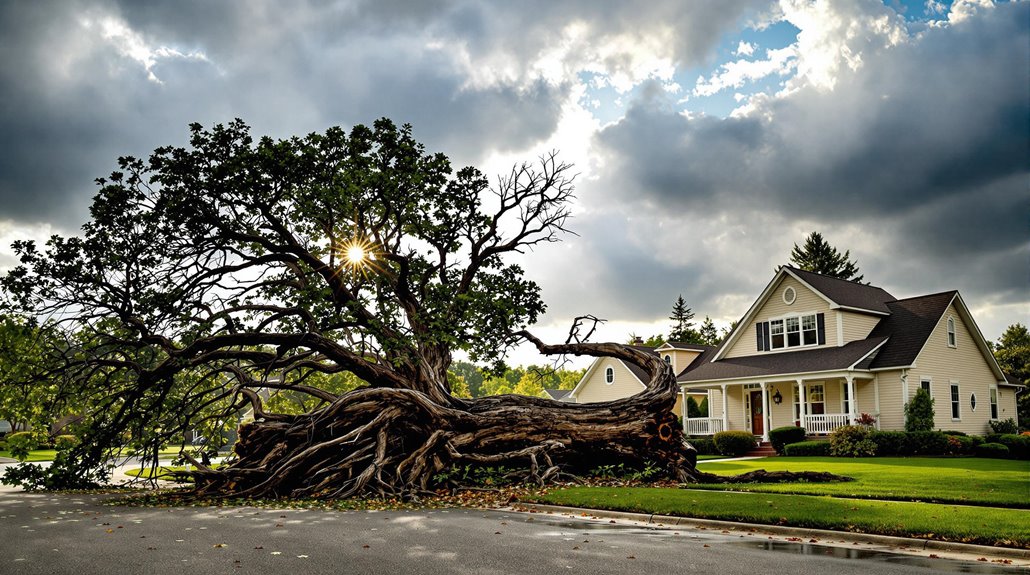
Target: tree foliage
1013	354
919	412
683	325
817	255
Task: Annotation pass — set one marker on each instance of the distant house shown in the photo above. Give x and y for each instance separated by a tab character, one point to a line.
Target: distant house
609	378
817	352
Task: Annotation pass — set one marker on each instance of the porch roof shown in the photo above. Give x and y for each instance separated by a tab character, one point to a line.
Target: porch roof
783	364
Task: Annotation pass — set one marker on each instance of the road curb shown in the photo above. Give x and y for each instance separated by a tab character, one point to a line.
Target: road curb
905	542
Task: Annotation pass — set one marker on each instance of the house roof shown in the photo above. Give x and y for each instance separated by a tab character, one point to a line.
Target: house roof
558	394
846	293
682	345
1012	380
807	361
909	325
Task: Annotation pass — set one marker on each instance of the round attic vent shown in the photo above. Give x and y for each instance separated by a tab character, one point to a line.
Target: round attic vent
789	295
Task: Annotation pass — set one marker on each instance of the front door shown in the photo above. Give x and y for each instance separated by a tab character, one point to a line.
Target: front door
757	422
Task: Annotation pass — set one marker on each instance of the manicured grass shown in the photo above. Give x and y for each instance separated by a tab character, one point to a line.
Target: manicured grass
34	455
967	480
169	473
983	525
710	457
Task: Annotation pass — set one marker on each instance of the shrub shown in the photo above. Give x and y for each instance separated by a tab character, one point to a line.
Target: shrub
993	450
852	441
807	448
960	444
919	412
1018	445
21	443
734	443
65	441
704	445
956	433
928	443
891	443
1004	426
782	436
693	410
865	419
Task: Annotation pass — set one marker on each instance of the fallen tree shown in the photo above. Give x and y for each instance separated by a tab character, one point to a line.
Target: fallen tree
213	276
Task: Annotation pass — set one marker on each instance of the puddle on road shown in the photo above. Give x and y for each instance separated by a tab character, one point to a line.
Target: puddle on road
940	565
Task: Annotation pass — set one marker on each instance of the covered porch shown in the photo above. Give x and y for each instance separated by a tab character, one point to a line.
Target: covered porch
820	403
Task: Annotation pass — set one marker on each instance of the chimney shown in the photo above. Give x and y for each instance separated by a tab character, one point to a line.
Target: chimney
637	340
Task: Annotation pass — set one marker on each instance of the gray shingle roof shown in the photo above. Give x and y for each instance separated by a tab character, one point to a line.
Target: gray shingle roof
909	325
847	293
558	394
769	364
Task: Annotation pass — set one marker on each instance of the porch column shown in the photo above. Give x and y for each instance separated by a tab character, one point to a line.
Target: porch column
765	411
852	412
802	403
683	408
725	414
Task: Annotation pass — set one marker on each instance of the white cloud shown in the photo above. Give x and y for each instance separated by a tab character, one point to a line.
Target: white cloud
132	45
736	74
744	49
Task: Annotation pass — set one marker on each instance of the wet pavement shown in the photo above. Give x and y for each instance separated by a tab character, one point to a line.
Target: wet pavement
62	533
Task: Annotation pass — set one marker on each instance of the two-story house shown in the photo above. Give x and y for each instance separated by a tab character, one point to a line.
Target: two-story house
816	351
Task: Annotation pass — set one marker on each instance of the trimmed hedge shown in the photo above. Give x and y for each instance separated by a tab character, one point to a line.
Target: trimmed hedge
1018	445
993	450
852	441
65	441
734	443
21	440
889	443
783	436
704	445
803	448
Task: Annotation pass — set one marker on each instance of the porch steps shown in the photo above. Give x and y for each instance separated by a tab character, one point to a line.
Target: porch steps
764	449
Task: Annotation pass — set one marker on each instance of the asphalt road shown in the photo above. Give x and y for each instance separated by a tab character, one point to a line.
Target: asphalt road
47	533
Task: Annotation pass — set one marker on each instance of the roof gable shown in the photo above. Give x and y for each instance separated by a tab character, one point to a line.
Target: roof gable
839	294
634	369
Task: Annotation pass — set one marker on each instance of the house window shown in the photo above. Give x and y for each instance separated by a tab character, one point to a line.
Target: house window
972	402
955	402
789	295
925	384
668	359
845	401
951	332
797	404
795	331
994	403
609	375
816	399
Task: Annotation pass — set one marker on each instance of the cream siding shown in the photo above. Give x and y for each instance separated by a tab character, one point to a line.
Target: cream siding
857	325
866	391
963	364
806	302
595	389
680	358
1006	403
892	402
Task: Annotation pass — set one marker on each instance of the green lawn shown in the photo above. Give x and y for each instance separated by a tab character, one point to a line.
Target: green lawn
970	481
164	472
983	525
34	455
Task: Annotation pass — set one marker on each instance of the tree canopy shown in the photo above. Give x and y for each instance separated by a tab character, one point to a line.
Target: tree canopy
817	255
1013	354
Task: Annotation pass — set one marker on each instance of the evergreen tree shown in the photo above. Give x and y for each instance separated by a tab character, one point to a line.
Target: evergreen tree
708	334
919	412
818	256
682	329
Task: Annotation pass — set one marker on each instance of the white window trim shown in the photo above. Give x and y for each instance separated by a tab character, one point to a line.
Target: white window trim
609	371
953	402
952	335
667	358
843	391
793	299
992	400
928	379
801	331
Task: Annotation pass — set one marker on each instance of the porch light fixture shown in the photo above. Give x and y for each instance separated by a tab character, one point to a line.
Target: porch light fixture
777	398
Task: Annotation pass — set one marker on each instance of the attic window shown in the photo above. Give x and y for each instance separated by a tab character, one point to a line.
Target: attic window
789	295
668	359
951	332
609	375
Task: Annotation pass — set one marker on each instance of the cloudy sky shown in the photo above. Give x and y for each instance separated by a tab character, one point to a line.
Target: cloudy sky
709	136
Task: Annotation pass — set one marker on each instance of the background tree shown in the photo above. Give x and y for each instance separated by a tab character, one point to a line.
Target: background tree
653	341
683	326
212	272
1013	354
708	334
471	374
817	255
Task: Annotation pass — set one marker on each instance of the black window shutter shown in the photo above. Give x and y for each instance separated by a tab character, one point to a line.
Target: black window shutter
820	320
761	338
768	339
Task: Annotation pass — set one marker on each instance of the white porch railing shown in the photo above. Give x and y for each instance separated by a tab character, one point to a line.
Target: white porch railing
824	423
703	426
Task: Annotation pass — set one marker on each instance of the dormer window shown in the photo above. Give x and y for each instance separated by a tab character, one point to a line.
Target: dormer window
951	332
668	359
609	375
